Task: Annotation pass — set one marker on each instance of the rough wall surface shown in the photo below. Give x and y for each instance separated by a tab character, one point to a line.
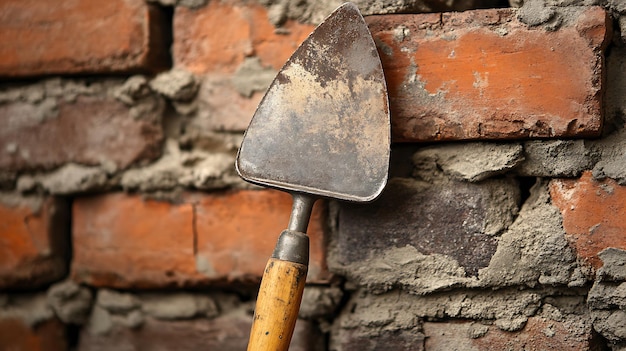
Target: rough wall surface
123	224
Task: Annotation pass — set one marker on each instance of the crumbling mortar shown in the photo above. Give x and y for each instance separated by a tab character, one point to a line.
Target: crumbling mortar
483	306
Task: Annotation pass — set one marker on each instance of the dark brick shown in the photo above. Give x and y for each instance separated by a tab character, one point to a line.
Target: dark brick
227	332
538	334
15	335
447	219
352	340
91	130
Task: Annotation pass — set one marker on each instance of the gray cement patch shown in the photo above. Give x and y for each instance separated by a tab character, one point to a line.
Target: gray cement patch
614	265
176	84
70	302
469	161
556	158
252	77
194	169
395	310
534	250
10	199
31	309
320	302
178	306
68	179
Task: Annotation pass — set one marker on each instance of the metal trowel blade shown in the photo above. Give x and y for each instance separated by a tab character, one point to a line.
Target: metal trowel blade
323	126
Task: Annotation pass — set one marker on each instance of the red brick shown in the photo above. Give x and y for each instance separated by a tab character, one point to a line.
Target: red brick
485	75
237	232
213	41
538	334
90	130
125	241
34	241
226	332
46	336
593	214
217	37
80	37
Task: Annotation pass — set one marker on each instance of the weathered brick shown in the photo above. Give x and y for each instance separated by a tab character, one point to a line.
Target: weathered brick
81	37
223	333
125	241
237	232
538	334
226	332
34	241
485	75
122	240
49	335
352	340
215	41
593	214
93	129
219	36
449	219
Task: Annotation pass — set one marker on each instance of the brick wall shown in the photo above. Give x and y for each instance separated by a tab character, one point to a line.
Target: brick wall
124	225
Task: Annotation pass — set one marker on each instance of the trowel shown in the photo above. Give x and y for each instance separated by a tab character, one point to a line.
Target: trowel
322	130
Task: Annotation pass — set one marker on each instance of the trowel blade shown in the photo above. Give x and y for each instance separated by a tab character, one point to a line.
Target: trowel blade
323	127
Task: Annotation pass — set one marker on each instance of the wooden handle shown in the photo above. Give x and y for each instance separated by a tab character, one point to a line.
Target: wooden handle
277	305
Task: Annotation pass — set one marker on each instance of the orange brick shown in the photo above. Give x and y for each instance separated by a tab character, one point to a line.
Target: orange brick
213	41
217	37
45	336
237	232
80	37
124	241
593	214
485	75
34	239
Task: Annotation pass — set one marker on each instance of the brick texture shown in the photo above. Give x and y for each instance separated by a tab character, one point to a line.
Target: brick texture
122	241
538	334
593	214
125	241
46	336
215	40
237	232
90	130
34	241
410	339
485	75
227	332
81	37
447	219
219	36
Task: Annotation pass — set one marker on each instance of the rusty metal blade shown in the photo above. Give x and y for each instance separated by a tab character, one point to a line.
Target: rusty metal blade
323	127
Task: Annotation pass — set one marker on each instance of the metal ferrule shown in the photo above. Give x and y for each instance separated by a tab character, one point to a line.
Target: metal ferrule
292	246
